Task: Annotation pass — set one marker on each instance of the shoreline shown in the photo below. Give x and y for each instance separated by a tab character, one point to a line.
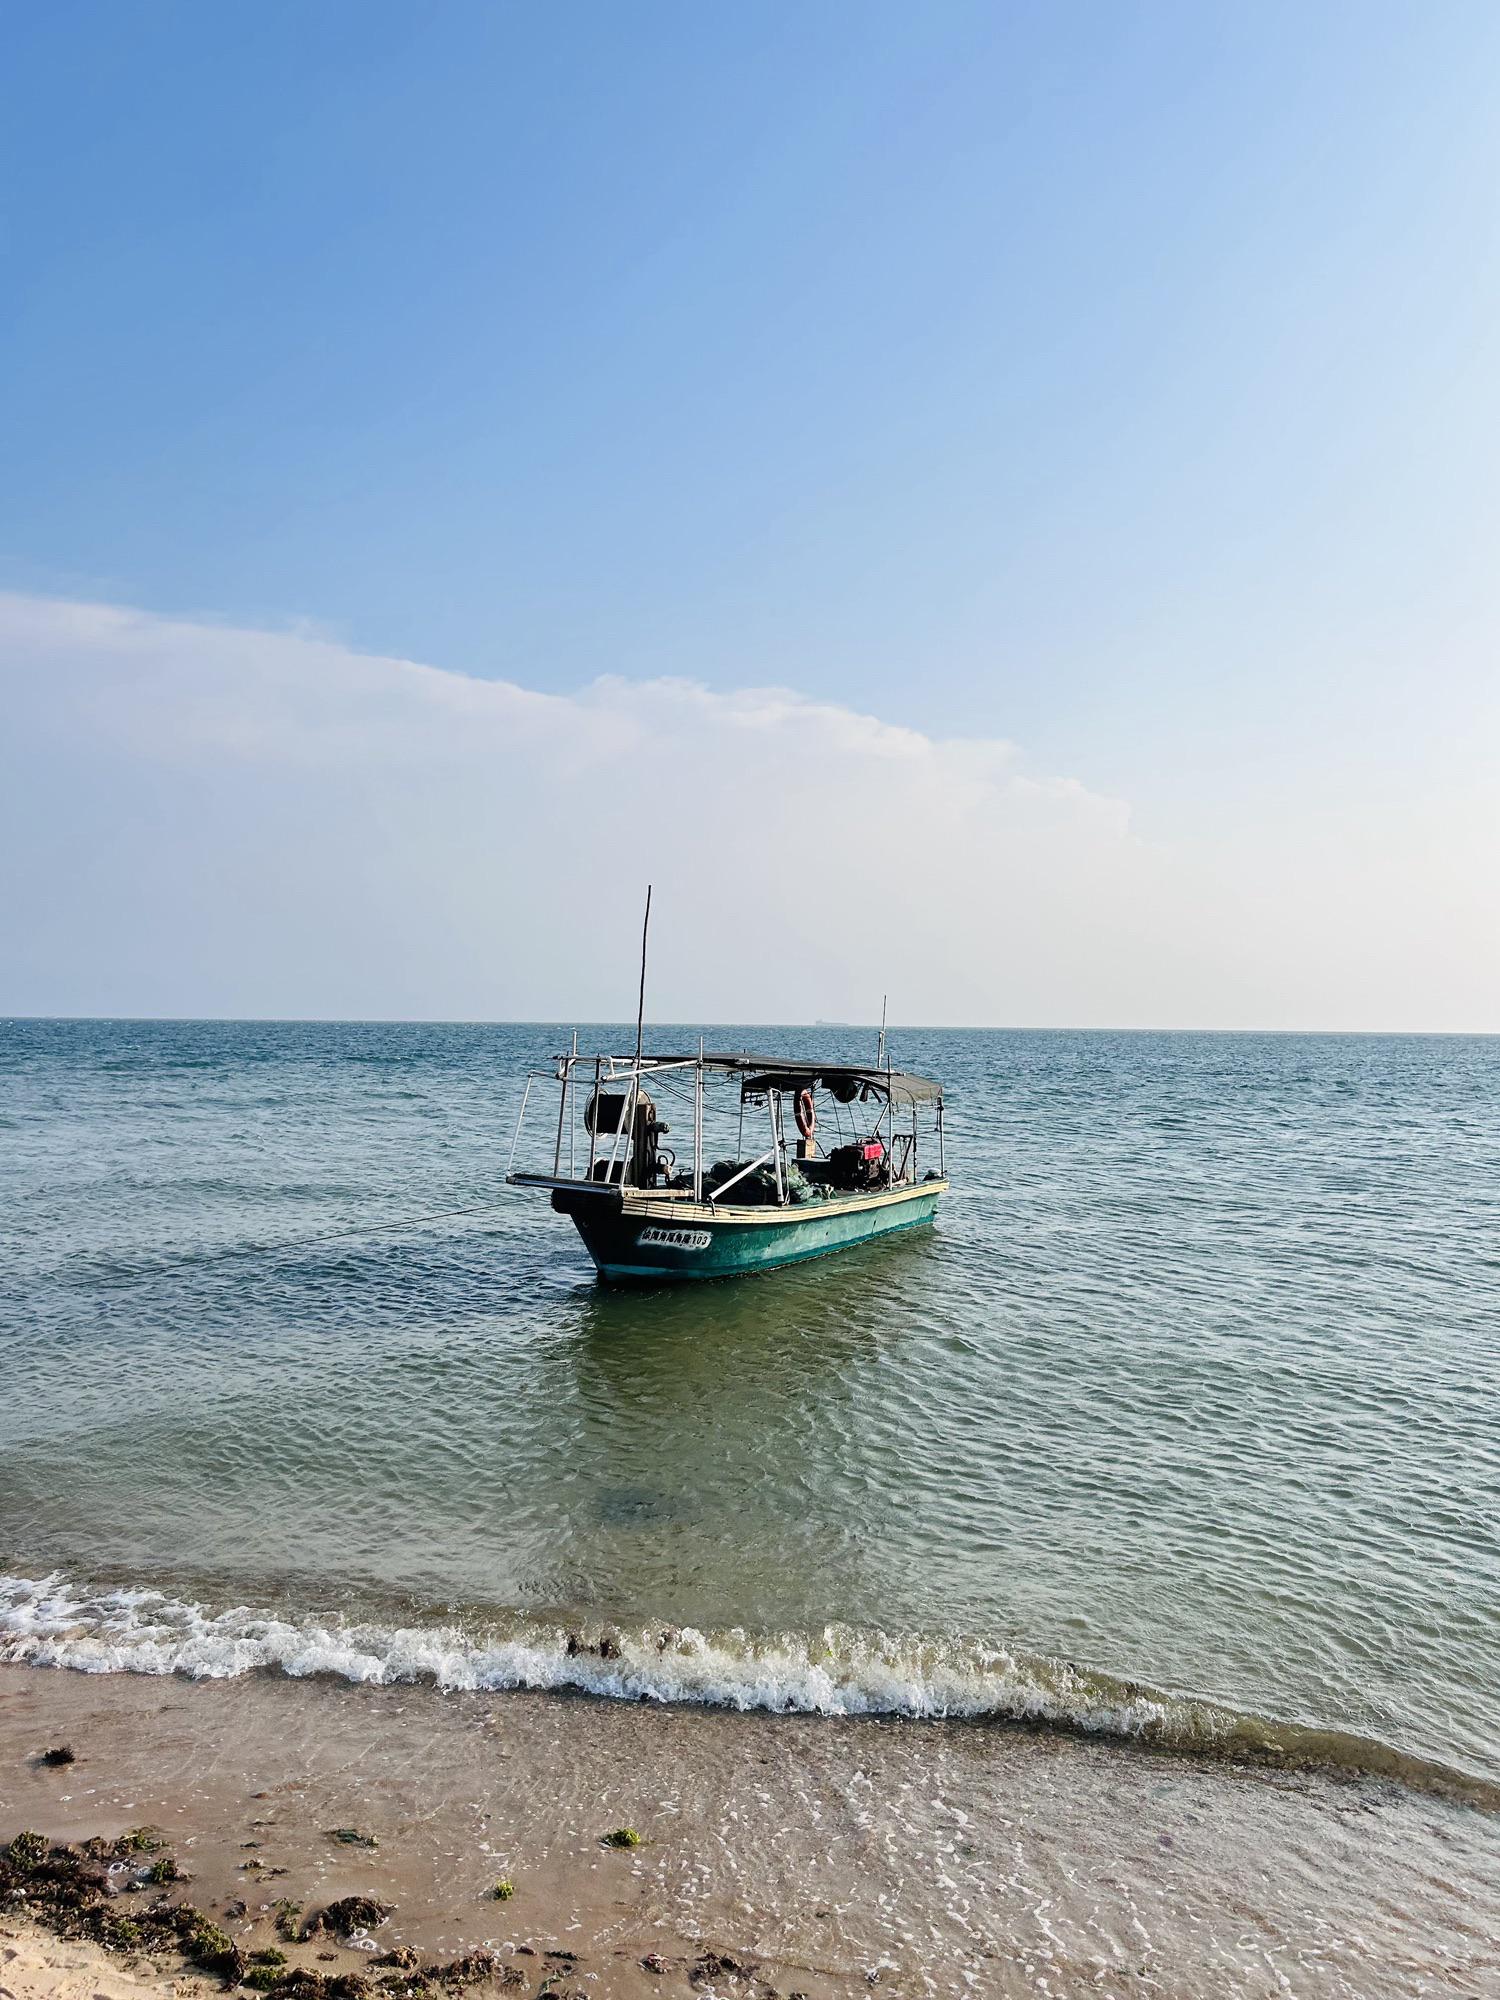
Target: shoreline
841	1671
821	1855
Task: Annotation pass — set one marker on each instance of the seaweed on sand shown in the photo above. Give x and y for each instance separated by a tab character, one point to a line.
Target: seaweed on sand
349	1913
265	1969
300	1983
207	1943
68	1889
719	1965
467	1971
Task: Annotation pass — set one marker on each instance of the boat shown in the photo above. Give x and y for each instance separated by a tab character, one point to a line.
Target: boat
644	1216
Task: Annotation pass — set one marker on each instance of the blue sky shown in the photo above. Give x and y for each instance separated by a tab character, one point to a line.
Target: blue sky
1120	381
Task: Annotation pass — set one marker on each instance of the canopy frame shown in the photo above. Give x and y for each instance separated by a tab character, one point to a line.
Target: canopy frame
762	1078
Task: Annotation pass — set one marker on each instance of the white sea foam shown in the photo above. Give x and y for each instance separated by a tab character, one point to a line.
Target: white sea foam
836	1671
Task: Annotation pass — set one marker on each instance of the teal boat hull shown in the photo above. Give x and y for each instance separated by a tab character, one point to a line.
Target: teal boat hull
638	1238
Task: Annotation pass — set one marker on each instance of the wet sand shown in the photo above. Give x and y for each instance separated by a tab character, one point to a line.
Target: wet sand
821	1855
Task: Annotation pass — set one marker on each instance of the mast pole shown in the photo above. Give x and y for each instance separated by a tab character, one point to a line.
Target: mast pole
633	1095
640	1011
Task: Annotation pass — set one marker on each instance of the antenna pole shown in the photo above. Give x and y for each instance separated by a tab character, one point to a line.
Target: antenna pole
640	1011
880	1054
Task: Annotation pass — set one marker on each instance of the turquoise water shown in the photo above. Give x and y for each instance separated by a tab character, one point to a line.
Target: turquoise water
1191	1397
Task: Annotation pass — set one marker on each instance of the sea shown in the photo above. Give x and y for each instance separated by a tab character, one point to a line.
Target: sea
1181	1425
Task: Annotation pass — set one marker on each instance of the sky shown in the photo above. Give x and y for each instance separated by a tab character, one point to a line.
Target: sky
995	504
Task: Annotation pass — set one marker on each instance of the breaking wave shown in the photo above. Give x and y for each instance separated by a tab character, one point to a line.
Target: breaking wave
836	1671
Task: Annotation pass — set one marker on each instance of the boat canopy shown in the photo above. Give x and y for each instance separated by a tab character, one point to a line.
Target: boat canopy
624	1129
846	1080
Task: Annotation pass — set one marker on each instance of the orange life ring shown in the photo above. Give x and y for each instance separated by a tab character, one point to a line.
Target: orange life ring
807	1114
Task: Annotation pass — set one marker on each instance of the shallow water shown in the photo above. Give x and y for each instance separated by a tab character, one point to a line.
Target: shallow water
1195	1386
943	1858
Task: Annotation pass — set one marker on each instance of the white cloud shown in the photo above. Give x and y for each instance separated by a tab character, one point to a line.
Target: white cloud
209	819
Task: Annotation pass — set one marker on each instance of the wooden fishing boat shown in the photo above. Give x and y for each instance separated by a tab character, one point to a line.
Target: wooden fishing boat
643	1216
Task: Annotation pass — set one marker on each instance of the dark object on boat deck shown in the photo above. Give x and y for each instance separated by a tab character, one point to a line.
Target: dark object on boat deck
605	1115
605	1111
861	1165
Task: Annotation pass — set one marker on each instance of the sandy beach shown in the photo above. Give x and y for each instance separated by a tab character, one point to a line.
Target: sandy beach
35	1965
778	1854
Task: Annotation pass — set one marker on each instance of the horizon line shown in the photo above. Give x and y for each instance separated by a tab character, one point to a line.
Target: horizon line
871	1027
